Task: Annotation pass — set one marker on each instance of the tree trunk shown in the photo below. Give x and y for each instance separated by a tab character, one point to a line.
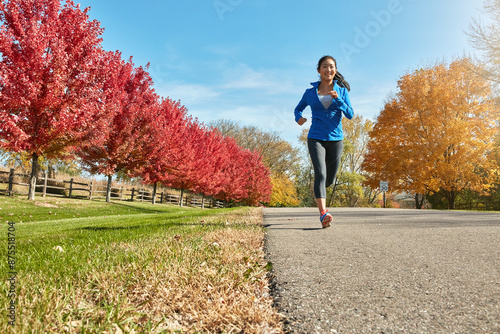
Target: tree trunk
154	193
50	170
371	199
108	189
451	203
419	201
451	195
34	171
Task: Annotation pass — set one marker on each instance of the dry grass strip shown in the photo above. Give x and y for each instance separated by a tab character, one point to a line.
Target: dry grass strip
215	282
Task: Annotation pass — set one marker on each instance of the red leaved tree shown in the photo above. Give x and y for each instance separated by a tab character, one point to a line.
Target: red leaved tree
49	65
213	157
184	174
129	98
166	138
258	178
232	181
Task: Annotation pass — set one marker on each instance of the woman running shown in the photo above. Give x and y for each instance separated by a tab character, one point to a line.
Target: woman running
329	101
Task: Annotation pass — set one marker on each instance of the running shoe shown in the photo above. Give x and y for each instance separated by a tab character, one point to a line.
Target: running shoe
326	219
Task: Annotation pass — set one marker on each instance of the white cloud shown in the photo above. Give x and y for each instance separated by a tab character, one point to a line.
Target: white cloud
269	82
189	94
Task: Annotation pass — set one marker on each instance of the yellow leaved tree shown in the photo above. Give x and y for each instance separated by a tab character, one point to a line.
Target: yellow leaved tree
436	134
284	191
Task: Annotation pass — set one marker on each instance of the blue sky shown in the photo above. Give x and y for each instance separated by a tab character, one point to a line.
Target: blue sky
251	60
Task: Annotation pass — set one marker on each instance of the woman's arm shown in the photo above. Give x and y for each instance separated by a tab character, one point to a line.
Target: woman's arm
345	104
299	109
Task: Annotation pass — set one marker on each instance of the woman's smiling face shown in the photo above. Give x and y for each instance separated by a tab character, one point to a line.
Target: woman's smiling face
327	69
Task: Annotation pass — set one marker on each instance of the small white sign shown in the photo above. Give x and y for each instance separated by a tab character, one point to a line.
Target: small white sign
384	186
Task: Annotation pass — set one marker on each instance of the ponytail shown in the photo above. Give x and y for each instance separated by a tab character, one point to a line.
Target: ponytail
342	81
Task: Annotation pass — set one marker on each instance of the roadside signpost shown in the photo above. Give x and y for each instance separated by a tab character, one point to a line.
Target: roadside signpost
384	186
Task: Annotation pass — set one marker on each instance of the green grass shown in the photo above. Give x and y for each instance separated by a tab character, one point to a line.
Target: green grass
49	209
91	266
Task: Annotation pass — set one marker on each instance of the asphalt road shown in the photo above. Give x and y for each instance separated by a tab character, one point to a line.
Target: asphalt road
385	270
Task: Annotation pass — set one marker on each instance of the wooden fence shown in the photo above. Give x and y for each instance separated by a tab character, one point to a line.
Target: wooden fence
97	190
486	205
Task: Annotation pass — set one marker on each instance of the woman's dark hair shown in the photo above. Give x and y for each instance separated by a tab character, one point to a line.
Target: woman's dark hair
339	77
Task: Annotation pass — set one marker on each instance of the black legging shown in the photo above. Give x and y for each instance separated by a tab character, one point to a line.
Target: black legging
325	156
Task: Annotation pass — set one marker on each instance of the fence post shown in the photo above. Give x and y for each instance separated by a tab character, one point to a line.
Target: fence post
161	198
132	197
44	184
154	194
11	181
90	189
121	194
203	201
70	187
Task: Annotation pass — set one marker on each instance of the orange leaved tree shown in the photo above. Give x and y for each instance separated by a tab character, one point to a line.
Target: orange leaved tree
436	133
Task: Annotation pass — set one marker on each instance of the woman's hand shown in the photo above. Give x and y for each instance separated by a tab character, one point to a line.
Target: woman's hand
334	94
301	121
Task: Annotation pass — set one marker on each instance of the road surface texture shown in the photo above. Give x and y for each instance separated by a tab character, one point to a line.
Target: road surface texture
385	270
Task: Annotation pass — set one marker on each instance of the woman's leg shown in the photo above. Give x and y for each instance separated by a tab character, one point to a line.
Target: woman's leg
333	157
317	151
321	204
325	157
